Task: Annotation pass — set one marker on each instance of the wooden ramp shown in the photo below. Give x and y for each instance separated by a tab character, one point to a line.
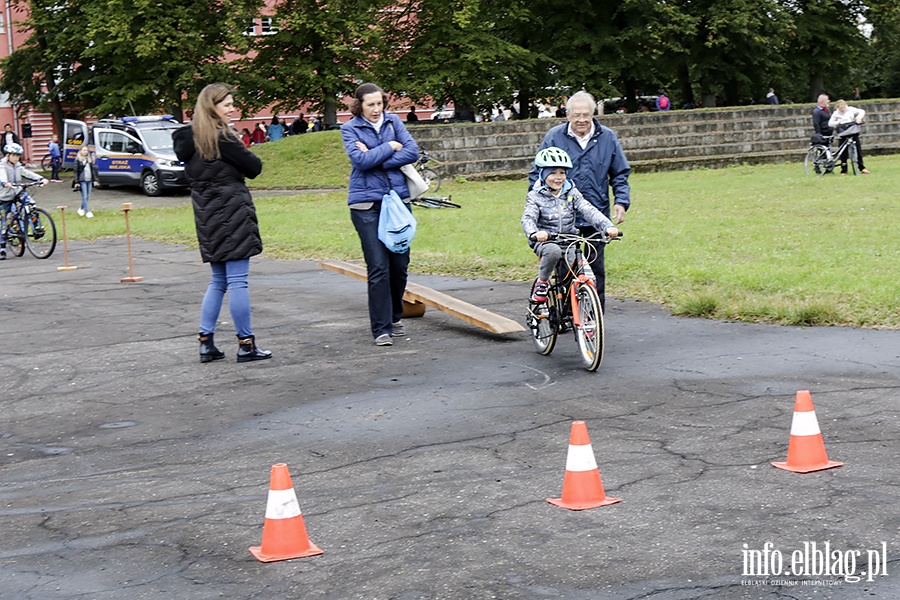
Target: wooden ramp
416	293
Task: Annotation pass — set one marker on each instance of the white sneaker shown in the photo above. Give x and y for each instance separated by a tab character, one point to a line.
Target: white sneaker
89	215
80	212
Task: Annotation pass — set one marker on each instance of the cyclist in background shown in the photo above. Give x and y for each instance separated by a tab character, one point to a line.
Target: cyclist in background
11	173
552	206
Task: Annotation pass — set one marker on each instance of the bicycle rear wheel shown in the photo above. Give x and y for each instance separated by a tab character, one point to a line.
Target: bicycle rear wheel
47	162
543	320
589	330
40	233
14	238
432	178
816	160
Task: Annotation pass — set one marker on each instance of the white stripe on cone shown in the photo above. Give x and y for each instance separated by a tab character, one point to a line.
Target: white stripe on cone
282	504
805	423
580	458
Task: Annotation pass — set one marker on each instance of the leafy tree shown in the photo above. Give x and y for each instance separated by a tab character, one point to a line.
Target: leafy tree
826	43
470	52
733	48
321	52
883	57
112	56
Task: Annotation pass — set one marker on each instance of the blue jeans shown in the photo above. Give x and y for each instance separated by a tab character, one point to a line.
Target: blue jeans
85	194
228	276
387	272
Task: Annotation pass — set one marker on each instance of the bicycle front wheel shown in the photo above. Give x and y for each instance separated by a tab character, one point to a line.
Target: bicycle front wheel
852	157
543	319
432	178
15	239
589	330
40	233
47	162
816	161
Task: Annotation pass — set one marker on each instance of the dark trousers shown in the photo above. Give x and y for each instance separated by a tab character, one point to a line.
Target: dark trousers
854	139
387	272
596	262
54	167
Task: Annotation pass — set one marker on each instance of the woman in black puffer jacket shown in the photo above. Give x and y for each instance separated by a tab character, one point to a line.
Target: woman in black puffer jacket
216	163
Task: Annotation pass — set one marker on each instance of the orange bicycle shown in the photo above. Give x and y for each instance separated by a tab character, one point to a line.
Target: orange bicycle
572	303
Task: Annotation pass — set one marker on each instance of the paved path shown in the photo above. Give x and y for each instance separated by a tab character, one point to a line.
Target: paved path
130	470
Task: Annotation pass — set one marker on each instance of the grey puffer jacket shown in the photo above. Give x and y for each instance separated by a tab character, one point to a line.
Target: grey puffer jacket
546	212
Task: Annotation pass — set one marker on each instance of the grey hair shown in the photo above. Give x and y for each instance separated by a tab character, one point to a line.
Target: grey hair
581	96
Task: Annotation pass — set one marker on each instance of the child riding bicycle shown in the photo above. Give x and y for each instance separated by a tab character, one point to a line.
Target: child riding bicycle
554	205
11	173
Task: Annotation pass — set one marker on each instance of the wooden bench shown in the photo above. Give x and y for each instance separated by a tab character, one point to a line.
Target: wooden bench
421	296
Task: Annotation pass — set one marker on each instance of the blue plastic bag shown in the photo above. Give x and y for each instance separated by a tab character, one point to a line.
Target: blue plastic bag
396	224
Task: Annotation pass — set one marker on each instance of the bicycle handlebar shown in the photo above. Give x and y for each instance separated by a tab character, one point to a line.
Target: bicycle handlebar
574	237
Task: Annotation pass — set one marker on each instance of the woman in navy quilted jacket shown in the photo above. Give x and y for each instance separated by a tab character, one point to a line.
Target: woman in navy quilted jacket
378	144
216	163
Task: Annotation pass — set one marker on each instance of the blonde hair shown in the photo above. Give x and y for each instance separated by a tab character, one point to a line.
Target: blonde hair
208	126
841	104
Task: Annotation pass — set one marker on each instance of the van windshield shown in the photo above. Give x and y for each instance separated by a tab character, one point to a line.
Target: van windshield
158	139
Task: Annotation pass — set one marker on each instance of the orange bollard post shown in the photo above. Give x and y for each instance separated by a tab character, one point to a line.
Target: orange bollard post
62	211
126	208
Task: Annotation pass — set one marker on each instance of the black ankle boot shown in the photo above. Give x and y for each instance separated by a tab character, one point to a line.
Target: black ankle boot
208	350
248	351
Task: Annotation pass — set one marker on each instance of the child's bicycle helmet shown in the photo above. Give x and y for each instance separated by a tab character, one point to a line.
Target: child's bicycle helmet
553	157
13	149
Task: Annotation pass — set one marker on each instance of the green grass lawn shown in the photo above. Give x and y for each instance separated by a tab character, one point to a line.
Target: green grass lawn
764	243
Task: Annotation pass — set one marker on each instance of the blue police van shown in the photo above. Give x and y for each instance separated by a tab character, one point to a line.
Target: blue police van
133	151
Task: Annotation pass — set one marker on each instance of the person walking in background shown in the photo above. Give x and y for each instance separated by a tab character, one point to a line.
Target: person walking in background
846	122
246	138
216	164
55	158
771	98
378	144
856	95
86	178
598	162
259	134
411	116
276	130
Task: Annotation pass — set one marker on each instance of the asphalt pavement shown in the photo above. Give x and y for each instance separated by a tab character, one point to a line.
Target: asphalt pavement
131	470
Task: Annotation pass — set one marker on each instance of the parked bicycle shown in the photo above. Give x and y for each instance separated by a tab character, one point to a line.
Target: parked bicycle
435	202
572	303
28	226
820	160
431	177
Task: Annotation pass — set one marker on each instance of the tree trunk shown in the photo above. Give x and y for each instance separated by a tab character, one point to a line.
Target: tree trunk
329	115
816	85
684	83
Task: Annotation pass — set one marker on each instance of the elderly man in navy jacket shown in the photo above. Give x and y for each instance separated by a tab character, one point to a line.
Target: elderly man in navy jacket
598	163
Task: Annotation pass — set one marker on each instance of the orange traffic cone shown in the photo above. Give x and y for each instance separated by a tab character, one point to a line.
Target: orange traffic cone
806	449
284	534
582	487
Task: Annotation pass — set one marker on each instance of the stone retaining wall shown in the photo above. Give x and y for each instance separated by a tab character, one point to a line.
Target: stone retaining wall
657	141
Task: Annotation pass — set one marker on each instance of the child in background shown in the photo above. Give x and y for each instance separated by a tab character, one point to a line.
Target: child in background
11	173
554	205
